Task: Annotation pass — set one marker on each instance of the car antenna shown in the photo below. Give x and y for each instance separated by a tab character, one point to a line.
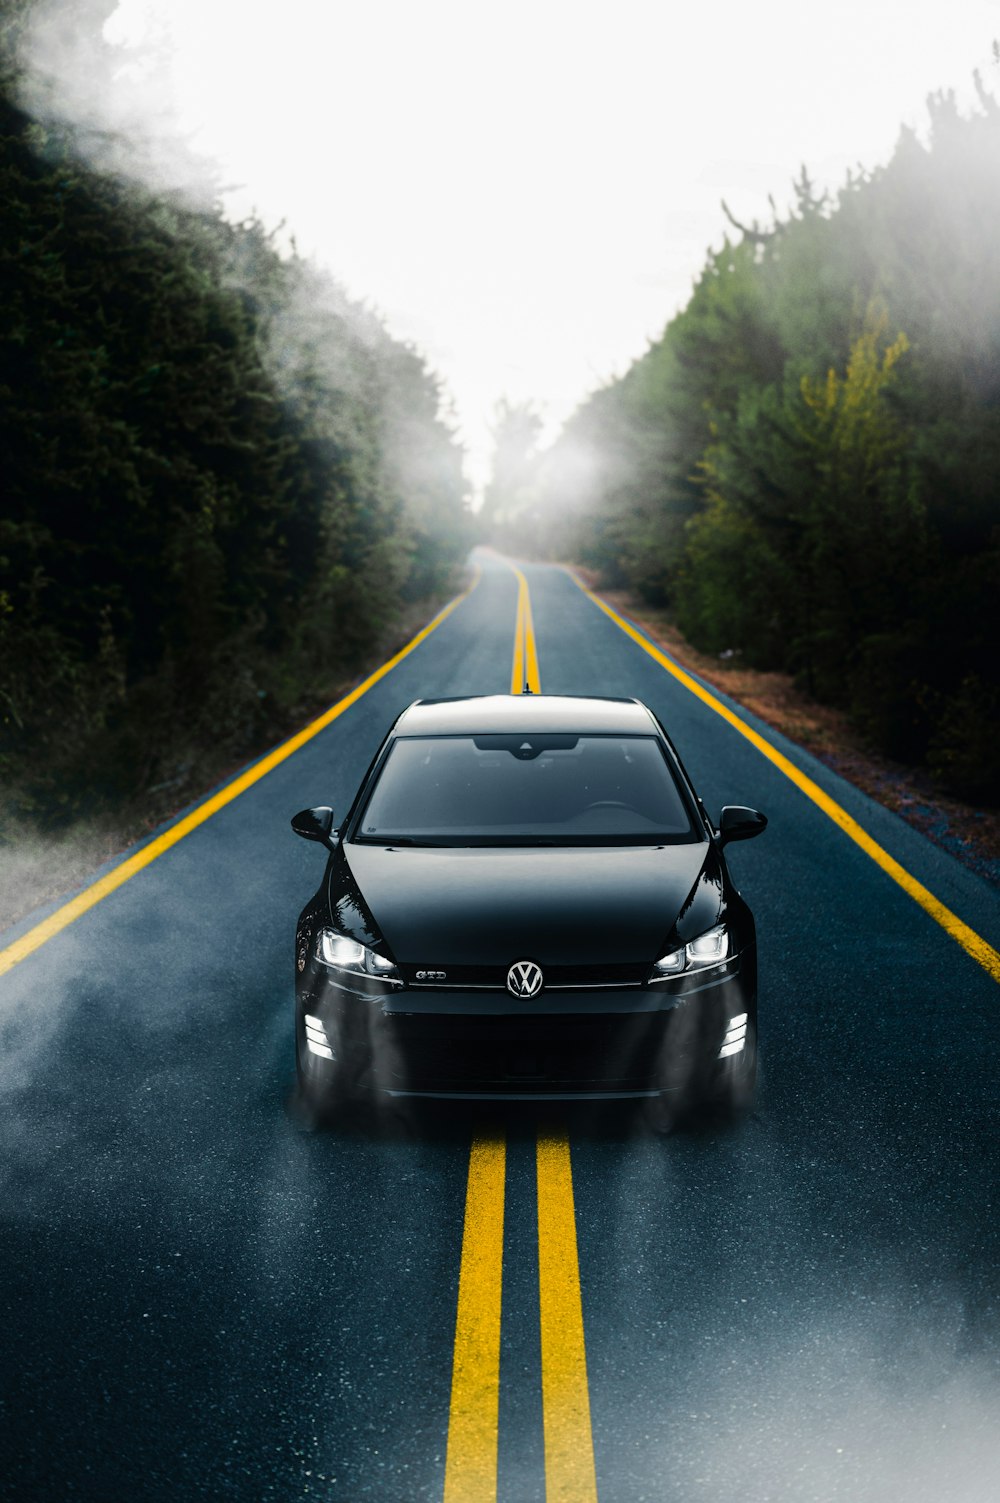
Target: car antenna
527	688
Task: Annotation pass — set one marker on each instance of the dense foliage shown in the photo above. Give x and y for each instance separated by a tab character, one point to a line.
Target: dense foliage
221	477
804	466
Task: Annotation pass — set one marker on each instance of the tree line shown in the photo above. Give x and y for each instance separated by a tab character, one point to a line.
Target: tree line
804	466
222	478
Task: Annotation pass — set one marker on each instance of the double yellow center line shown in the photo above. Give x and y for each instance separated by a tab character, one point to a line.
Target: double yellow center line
474	1417
524	673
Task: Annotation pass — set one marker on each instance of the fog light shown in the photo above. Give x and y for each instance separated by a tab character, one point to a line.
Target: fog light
316	1040
736	1036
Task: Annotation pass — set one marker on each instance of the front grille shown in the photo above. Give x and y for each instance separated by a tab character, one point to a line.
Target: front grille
459	1053
471	977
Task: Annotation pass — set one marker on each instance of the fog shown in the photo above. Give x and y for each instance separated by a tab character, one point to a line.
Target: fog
32	867
527	192
117	93
118	104
845	1365
117	100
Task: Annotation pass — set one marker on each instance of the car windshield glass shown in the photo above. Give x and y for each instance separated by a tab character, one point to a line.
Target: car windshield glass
524	790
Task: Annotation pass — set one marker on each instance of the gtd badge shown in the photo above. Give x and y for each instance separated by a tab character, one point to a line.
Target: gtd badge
432	975
524	979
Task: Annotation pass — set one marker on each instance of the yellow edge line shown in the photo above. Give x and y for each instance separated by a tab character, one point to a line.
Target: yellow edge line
474	1417
49	927
569	1446
973	944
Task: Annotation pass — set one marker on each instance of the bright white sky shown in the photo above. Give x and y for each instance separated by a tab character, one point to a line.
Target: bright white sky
526	190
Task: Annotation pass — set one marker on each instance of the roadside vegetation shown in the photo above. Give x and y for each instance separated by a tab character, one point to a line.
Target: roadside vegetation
802	470
225	486
968	831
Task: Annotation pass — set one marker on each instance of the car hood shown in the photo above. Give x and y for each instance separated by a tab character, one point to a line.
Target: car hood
487	906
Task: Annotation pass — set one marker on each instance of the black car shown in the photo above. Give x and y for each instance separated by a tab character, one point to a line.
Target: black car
527	900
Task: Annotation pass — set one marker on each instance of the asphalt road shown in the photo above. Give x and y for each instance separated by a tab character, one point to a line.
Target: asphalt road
202	1298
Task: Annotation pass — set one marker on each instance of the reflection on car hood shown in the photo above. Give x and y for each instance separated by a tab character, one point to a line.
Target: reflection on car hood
479	906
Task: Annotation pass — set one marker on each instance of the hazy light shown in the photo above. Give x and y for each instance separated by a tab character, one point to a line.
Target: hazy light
526	191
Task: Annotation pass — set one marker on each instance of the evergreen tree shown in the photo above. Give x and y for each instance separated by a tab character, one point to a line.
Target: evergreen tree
222	476
808	483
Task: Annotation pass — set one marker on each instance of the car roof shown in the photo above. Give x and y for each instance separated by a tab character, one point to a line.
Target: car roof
517	713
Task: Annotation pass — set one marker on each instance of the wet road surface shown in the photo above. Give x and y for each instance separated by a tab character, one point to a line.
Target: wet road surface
203	1298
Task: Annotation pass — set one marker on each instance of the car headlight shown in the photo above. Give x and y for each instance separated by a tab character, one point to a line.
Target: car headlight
345	954
708	949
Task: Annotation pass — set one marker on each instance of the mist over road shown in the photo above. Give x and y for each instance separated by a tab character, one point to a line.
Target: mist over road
204	1299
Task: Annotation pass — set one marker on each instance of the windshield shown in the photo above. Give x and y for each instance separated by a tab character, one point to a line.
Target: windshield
525	790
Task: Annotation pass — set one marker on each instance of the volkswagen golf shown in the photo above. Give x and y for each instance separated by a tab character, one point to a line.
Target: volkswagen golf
527	900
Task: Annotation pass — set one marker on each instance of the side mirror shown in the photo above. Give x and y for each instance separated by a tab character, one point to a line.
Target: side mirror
315	824
738	823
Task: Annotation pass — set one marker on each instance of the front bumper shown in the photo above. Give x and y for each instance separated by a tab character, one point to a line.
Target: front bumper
586	1044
